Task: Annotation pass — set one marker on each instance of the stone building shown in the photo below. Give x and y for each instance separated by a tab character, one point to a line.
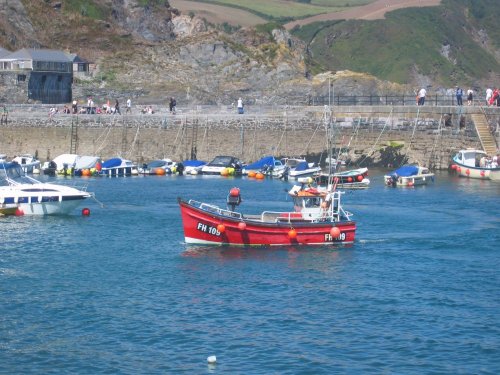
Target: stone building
40	75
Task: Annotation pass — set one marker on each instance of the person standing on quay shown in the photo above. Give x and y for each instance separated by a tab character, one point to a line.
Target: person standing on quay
459	93
240	106
470	96
421	96
489	94
129	106
117	107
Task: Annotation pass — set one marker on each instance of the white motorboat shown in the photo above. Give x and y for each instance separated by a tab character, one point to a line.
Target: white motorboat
27	162
118	167
476	164
193	167
26	195
159	167
222	163
409	176
303	169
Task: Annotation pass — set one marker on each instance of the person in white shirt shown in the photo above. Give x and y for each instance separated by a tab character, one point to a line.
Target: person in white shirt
421	96
240	106
129	106
489	94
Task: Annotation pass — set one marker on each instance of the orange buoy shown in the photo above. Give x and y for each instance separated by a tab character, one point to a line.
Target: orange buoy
349	179
292	234
335	232
221	228
234	192
242	225
360	178
160	172
251	174
19	212
86	172
467	172
85	211
259	176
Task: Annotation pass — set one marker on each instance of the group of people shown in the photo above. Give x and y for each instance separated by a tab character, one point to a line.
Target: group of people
488	162
492	96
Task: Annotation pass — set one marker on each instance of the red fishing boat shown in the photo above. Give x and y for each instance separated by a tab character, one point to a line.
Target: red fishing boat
317	219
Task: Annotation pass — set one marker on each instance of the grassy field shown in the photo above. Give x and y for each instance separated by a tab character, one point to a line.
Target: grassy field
286	9
410	41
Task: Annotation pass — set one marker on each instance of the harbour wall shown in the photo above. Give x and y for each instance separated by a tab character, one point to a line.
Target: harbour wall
429	136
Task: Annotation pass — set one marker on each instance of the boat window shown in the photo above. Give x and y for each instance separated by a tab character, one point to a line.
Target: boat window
312	202
14	173
221	161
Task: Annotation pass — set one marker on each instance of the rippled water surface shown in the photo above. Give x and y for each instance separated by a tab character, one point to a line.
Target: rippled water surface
119	292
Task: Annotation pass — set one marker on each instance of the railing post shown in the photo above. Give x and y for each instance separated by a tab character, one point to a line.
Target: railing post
403	100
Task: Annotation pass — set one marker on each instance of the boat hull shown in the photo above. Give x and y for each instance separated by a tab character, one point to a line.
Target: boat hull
478	172
410	181
202	227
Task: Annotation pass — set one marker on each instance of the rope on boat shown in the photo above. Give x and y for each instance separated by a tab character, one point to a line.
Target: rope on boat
98	202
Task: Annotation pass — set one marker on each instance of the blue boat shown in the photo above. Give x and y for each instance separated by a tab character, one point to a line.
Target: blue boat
408	176
268	165
118	167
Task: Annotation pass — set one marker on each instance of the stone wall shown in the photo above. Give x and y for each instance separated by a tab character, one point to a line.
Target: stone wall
142	138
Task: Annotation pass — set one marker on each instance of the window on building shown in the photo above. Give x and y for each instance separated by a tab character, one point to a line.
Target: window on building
21	77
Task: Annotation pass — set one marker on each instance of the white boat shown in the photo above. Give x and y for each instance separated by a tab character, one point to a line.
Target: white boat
63	164
303	169
28	196
408	176
27	162
351	179
267	165
159	167
221	163
476	164
193	167
118	167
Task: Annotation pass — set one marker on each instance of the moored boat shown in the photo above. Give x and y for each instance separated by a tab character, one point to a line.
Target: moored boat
409	176
193	167
159	167
303	169
118	167
318	218
222	164
23	194
27	162
476	164
350	179
268	165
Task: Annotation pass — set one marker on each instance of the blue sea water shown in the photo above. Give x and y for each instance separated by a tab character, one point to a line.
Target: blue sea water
119	291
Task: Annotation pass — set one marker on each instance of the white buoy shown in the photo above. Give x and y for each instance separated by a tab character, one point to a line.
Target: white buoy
212	359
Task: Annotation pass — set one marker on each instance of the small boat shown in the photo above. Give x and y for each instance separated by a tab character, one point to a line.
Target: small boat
118	167
317	218
303	169
476	164
27	162
62	165
409	176
268	165
22	194
351	179
193	167
159	167
3	158
221	164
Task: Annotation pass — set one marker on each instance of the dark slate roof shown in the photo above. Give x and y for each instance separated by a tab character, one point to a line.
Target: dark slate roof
38	55
4	52
76	59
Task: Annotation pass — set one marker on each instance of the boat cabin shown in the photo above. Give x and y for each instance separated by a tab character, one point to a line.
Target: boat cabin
470	158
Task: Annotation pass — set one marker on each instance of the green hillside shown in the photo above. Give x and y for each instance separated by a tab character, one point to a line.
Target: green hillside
453	43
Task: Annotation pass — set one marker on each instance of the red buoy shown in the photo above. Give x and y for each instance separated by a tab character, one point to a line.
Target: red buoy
234	192
242	225
482	173
454	167
459	169
467	172
349	179
221	228
292	233
360	178
19	212
335	232
85	211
